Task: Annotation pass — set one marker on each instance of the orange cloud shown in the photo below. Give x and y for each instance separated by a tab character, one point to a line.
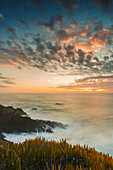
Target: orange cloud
86	47
96	42
101	90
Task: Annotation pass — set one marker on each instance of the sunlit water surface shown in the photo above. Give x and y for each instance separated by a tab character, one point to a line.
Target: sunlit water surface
89	117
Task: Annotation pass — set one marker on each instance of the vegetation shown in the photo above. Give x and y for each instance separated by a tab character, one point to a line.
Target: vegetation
39	154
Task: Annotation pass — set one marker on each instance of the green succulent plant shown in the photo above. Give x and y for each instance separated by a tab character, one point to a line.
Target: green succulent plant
51	155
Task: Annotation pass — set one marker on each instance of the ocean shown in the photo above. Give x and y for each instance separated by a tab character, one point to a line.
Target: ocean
89	117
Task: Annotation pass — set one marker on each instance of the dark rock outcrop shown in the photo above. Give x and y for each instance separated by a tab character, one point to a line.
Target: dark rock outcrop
58	103
2	140
16	120
34	108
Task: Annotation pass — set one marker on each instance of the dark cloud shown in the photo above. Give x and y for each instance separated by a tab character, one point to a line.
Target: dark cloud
69	5
64	35
12	30
50	25
30	51
40	48
60	20
54	48
111	28
4	81
36	3
97	25
106	58
2	43
8	82
1	19
3	86
69	47
81	56
9	42
24	22
74	24
88	58
105	5
92	19
111	56
96	59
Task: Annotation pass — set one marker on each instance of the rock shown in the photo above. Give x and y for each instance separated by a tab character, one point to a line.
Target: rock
34	109
58	103
13	120
49	130
2	140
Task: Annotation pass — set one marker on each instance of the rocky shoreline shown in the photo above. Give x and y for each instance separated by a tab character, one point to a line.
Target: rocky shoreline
16	121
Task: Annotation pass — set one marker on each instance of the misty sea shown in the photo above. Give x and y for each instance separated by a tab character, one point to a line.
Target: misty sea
89	117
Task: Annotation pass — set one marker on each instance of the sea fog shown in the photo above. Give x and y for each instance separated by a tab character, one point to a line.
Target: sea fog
89	117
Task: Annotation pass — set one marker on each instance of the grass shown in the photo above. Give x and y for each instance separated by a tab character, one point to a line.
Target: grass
39	154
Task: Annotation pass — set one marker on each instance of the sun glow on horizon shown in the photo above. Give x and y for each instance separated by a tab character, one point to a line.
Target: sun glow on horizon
57	90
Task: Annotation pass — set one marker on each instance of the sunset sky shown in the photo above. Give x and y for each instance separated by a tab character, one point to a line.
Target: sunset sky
56	46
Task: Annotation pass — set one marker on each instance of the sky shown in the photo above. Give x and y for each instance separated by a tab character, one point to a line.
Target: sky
56	46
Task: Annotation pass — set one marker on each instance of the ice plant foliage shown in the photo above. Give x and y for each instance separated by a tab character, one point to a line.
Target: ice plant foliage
51	155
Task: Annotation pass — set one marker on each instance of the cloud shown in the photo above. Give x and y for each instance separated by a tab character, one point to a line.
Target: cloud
111	56
74	24
66	35
76	49
12	30
49	56
102	34
105	5
111	28
97	25
2	43
6	81
100	38
36	3
96	59
24	22
106	58
60	21
9	42
50	25
99	83
69	5
94	77
3	86
1	19
81	56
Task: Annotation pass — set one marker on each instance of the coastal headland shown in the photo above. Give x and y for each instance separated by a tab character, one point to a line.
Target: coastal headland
16	121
